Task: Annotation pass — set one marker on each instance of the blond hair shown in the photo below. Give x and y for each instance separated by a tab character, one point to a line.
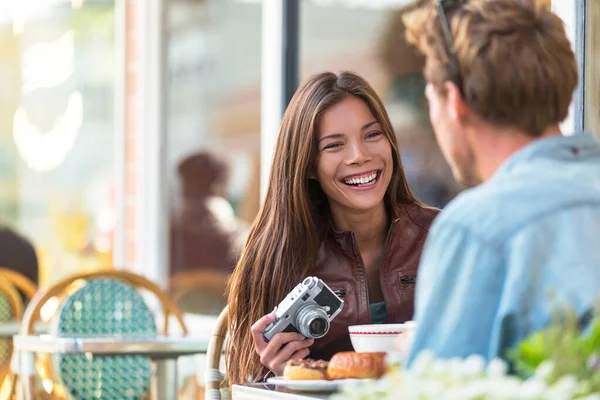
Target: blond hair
515	61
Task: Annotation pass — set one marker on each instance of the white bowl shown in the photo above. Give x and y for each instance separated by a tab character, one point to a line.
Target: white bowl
377	337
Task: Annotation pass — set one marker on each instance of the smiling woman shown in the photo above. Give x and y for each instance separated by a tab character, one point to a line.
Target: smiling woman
337	207
354	168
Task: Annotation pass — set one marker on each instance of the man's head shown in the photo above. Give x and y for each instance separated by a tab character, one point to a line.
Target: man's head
506	65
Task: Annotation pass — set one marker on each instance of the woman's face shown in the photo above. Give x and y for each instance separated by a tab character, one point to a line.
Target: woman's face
354	161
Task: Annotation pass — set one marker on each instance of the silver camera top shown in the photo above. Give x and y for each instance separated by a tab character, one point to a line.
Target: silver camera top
307	309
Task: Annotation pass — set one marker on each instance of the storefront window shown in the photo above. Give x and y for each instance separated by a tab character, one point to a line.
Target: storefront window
367	37
213	133
592	68
56	124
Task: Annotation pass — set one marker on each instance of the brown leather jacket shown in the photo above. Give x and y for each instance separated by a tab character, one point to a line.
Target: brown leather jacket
340	266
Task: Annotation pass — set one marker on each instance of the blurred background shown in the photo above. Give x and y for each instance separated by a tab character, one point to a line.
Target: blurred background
137	134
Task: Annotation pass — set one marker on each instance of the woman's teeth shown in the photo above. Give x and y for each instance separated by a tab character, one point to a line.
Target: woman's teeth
363	181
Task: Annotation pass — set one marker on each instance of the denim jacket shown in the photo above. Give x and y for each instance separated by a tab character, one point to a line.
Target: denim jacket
502	255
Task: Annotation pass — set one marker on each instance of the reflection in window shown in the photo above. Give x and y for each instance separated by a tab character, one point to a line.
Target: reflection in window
592	68
44	151
213	134
56	123
376	49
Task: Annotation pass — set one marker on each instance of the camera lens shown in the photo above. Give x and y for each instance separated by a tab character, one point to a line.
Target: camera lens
312	321
318	327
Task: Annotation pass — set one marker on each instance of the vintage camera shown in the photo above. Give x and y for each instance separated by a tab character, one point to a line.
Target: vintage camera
307	309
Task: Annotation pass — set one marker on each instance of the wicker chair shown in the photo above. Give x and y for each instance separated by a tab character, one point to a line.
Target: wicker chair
217	386
26	289
103	303
20	281
199	292
11	309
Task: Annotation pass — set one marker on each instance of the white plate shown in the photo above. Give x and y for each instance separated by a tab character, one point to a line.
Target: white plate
313	386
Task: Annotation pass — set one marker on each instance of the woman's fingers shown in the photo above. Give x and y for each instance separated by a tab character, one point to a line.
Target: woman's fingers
277	343
257	332
281	348
300	354
287	352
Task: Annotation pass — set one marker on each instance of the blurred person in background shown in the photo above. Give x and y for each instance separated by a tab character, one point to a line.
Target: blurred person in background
428	174
205	234
18	254
524	238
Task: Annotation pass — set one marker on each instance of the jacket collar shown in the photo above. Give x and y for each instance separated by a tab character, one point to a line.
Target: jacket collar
577	146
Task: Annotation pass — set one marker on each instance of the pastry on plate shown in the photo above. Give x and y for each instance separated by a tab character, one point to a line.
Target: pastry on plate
307	369
352	365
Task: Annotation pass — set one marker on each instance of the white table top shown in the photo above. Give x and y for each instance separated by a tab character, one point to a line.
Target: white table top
12	328
257	391
156	348
200	326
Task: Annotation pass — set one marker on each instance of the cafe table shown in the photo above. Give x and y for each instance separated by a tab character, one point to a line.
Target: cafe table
256	391
162	350
12	328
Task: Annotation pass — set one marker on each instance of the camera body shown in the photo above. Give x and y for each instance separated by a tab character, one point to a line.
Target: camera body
307	309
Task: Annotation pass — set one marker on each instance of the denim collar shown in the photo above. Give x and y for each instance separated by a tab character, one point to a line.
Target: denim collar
567	148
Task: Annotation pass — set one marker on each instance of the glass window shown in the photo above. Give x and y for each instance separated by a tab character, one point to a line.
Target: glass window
367	37
56	142
592	68
213	134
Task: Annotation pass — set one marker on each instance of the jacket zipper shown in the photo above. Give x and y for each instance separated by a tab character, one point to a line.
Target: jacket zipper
362	263
385	247
365	283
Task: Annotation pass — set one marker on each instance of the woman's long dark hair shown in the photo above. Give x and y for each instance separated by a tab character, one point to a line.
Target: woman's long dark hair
285	236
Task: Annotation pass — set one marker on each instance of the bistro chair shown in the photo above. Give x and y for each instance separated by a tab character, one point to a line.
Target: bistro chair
20	281
217	385
99	304
25	290
199	292
11	309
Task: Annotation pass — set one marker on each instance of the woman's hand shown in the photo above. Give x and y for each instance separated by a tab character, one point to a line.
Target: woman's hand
283	346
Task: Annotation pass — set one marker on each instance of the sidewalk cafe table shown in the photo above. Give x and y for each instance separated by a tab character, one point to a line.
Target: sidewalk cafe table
163	350
258	391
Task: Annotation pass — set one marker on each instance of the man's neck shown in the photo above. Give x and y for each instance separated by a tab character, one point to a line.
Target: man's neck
370	227
493	146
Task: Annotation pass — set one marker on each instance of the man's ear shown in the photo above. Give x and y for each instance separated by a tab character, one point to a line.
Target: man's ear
457	108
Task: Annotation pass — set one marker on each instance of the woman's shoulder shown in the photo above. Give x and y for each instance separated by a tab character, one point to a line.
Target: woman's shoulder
419	214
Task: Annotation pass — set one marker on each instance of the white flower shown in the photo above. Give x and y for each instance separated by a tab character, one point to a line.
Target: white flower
544	370
422	362
438	379
564	389
595	396
497	368
533	389
474	366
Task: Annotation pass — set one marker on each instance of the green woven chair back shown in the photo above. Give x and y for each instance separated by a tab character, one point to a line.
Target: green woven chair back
6	315
105	308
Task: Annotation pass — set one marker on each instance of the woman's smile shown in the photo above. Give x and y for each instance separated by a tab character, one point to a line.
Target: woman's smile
362	181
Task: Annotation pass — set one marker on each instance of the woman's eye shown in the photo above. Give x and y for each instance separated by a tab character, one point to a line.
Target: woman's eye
332	146
372	135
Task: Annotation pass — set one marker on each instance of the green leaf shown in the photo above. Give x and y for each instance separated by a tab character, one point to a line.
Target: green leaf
529	354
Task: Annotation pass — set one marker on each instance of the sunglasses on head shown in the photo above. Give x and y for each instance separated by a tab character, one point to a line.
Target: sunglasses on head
442	6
